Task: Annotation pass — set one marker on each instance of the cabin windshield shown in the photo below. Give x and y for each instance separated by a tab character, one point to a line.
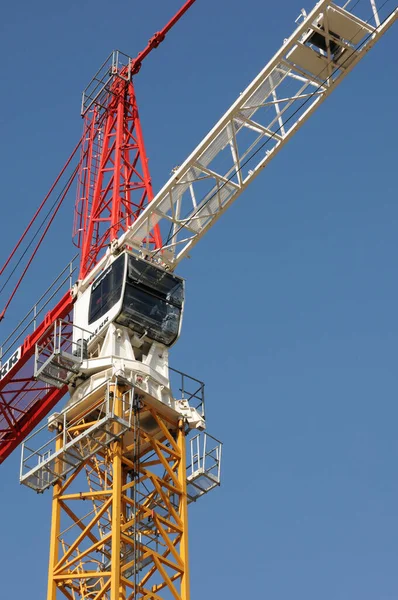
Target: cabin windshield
156	281
152	303
106	290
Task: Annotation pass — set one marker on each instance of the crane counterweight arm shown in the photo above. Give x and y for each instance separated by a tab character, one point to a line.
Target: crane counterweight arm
324	48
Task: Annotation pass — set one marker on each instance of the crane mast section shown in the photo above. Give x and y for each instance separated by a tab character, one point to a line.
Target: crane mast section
321	52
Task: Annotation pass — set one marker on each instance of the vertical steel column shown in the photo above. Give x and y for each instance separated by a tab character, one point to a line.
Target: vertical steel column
55	531
182	476
144	163
118	174
117	590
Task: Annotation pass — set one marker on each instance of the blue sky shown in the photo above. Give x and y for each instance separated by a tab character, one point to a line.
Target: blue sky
291	298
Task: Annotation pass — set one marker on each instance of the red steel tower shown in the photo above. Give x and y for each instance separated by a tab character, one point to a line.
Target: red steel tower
113	187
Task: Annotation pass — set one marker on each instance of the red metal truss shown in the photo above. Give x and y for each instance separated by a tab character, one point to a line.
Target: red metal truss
113	188
24	401
114	184
114	180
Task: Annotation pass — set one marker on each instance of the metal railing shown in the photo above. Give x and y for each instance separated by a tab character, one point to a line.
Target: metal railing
60	355
30	321
99	88
191	389
204	470
42	465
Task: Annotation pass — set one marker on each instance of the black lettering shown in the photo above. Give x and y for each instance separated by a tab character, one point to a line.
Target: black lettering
13	360
94	333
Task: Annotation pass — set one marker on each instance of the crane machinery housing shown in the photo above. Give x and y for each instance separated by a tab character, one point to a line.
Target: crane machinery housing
129	449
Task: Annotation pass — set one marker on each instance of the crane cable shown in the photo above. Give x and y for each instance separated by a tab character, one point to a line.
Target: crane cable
55	207
39	209
54	210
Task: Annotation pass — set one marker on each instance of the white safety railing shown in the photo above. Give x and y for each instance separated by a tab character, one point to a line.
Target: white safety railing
42	464
35	315
204	470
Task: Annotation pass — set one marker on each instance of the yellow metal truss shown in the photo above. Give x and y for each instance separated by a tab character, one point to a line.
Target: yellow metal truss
119	521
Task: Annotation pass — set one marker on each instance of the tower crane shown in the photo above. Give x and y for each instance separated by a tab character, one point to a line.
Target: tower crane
131	440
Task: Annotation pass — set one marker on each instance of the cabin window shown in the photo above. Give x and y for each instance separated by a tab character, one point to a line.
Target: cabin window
152	302
106	290
157	281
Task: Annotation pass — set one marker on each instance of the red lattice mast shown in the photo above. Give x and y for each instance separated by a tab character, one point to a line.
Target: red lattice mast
114	180
113	188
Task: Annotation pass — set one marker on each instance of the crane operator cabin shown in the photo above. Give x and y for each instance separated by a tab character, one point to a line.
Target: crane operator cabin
135	294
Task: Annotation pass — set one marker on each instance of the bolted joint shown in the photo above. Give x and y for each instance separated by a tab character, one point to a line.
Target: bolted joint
156	39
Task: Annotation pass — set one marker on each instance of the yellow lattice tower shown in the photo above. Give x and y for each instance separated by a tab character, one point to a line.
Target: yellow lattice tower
119	520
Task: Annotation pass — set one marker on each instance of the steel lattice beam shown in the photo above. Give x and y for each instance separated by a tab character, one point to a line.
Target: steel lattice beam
266	115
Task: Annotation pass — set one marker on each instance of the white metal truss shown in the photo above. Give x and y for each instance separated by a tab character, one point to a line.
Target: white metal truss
324	48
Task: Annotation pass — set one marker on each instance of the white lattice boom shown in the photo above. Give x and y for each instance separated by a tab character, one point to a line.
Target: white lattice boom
324	48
